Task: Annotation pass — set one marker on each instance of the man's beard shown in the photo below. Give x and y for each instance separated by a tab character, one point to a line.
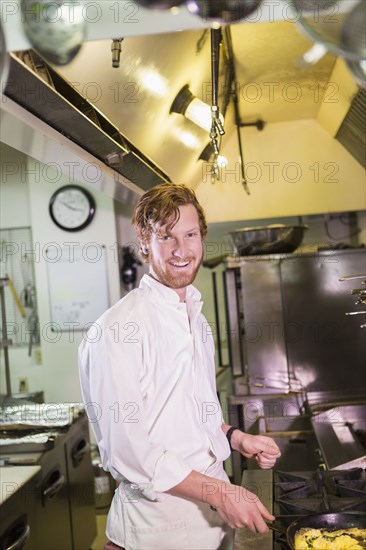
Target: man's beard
174	280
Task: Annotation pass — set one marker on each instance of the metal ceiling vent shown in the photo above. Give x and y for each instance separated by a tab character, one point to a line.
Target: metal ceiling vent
40	89
352	132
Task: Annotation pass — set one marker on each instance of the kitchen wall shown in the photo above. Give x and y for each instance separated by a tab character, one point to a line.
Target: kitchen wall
25	195
25	198
293	168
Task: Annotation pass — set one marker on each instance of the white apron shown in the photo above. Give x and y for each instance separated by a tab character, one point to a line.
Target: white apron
173	523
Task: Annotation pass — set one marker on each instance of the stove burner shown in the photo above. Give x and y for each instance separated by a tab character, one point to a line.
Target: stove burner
301	493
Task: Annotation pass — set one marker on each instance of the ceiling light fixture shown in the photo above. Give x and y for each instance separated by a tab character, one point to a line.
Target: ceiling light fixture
195	110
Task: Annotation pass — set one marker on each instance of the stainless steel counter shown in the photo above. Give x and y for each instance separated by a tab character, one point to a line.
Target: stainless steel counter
338	431
258	482
64	507
13	478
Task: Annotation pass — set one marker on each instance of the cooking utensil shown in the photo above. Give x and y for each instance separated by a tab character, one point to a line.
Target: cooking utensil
350	277
160	4
268	239
56	29
226	11
330	522
353	40
214	262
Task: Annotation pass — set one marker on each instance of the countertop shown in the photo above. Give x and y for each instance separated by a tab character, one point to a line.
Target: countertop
12	478
258	482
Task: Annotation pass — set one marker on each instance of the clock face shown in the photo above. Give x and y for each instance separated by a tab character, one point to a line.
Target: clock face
72	208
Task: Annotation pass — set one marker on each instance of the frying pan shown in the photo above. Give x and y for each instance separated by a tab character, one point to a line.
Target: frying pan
330	522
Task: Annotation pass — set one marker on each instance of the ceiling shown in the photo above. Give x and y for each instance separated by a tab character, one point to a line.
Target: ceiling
271	83
161	53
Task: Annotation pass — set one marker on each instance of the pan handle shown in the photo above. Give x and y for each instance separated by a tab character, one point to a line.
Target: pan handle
276	530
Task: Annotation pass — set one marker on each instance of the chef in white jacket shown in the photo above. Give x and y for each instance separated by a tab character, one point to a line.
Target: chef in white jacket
147	375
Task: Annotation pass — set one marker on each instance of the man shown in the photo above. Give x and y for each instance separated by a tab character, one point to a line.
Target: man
148	381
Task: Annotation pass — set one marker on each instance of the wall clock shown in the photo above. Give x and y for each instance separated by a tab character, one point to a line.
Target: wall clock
72	207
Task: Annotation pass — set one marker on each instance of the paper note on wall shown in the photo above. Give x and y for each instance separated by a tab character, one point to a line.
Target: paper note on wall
78	285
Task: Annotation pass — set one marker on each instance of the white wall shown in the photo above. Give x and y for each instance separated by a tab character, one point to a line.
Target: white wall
14	203
57	375
15	212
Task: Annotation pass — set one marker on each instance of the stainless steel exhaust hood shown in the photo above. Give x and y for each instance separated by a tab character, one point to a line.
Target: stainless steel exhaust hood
42	91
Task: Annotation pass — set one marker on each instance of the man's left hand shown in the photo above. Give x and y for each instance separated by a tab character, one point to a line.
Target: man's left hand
260	447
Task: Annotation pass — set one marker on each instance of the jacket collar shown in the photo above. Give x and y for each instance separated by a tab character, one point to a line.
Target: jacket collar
193	296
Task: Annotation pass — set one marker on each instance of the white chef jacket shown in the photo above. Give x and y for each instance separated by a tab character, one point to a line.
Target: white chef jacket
148	382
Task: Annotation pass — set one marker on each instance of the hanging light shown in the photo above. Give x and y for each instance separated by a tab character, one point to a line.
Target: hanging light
159	4
56	29
195	110
207	153
223	11
337	26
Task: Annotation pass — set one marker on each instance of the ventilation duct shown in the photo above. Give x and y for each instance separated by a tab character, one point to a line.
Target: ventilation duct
352	132
40	89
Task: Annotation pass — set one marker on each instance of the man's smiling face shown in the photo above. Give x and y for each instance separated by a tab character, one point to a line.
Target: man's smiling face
175	255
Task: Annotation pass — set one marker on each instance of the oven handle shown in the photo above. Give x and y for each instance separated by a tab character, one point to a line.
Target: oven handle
21	540
79	451
55	487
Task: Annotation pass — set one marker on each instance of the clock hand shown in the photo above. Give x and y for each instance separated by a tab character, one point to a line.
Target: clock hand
71	207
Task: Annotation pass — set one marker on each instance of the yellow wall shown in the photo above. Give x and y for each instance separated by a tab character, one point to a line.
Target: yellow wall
293	168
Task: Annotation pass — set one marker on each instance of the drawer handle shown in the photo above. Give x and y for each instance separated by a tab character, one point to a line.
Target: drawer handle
55	487
21	540
79	451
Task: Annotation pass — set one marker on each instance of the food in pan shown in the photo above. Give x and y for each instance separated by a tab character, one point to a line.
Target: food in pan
352	538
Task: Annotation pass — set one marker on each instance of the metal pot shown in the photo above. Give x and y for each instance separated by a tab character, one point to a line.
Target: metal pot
270	239
330	522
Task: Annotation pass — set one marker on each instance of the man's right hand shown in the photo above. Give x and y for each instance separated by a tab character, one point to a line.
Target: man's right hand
238	507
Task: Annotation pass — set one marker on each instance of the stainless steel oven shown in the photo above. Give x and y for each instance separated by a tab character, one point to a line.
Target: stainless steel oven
287	322
298	363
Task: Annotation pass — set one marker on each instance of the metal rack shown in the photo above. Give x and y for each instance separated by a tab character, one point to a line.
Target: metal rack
361	292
